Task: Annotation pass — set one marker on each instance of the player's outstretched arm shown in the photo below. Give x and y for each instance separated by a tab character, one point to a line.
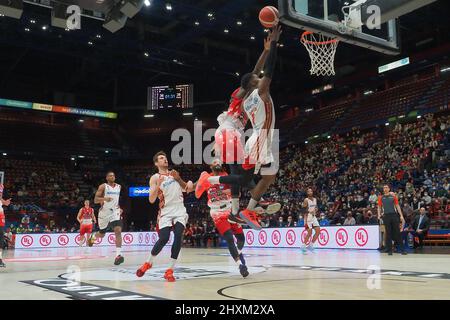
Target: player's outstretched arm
263	58
269	67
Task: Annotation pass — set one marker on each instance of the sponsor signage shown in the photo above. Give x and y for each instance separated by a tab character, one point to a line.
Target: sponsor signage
354	237
393	65
136	192
57	109
67	240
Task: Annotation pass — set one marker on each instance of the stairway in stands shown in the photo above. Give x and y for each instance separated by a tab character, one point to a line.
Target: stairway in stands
88	147
85	189
432	91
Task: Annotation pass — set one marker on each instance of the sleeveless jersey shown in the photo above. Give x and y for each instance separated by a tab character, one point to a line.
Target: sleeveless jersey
312	205
261	114
170	192
86	215
114	193
235	117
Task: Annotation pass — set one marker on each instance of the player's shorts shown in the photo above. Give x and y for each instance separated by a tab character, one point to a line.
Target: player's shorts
85	228
222	224
311	221
171	215
108	219
259	152
228	145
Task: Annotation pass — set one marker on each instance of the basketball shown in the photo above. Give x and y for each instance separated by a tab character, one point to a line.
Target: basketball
269	17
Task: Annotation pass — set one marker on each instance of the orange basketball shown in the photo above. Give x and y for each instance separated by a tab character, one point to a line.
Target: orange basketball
269	17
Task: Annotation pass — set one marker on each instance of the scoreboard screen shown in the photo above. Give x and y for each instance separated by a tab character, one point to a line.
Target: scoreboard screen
168	97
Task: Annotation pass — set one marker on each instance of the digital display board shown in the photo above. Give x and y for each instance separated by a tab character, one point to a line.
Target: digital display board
169	97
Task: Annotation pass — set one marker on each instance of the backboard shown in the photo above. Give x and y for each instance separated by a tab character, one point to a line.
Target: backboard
371	24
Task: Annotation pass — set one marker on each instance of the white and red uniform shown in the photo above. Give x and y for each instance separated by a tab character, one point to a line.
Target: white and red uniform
110	211
311	219
2	214
171	203
87	215
229	147
261	114
219	201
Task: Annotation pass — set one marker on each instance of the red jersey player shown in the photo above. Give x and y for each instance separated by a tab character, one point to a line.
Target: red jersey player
219	201
86	218
2	223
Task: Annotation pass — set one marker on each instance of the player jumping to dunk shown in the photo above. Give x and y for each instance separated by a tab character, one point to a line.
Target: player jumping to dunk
259	108
219	201
228	137
168	187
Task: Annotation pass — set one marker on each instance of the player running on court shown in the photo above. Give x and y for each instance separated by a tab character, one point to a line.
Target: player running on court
219	201
2	223
168	187
86	218
259	107
109	215
311	222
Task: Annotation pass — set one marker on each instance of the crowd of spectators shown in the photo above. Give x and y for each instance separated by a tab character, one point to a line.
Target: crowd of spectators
346	172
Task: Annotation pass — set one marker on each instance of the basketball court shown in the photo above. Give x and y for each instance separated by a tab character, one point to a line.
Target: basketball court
209	274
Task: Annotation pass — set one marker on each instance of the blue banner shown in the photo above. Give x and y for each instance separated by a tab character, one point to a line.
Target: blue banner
135	192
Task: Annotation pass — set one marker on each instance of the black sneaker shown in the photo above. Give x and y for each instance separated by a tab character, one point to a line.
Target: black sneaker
390	253
244	271
235	220
2	265
404	253
119	260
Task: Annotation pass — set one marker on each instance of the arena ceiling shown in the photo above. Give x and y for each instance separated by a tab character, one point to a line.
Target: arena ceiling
205	42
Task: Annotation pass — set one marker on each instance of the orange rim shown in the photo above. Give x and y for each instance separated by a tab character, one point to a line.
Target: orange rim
318	43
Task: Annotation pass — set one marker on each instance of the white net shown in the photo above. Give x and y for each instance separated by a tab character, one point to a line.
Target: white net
322	50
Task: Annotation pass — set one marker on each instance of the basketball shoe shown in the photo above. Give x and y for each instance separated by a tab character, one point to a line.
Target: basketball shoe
119	260
2	264
169	275
243	270
143	269
251	218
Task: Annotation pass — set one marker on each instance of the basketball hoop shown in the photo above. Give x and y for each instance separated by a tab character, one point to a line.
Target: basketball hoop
322	50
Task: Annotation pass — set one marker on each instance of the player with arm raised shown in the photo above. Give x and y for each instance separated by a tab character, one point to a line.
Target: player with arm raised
228	145
168	187
259	107
109	215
